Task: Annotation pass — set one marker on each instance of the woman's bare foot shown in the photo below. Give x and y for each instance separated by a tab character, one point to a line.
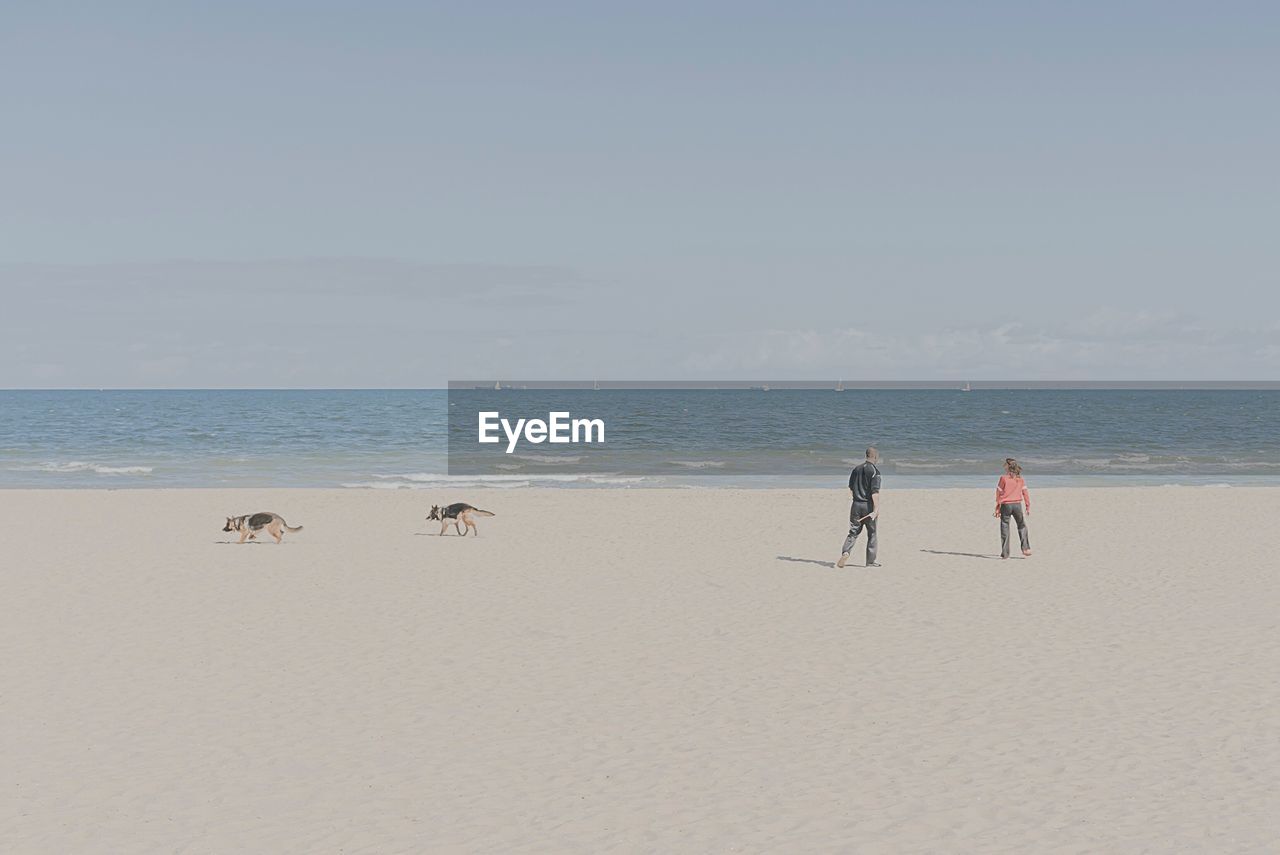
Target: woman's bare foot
1026	553
843	558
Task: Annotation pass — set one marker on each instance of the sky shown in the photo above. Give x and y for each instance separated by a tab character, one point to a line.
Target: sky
398	194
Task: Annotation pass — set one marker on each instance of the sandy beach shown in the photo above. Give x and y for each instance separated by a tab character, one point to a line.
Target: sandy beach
639	671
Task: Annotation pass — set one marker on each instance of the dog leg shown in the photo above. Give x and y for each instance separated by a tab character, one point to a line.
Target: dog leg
244	535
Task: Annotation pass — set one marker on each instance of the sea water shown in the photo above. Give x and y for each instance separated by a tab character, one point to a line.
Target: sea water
386	439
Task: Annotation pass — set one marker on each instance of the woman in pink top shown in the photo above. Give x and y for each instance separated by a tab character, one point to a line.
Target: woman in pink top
1011	493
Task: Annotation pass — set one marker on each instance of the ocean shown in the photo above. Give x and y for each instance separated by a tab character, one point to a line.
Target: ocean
400	439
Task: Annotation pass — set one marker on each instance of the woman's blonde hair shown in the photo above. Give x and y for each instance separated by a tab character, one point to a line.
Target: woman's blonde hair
1014	467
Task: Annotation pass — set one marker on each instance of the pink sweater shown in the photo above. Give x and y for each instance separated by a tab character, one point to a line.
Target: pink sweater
1012	490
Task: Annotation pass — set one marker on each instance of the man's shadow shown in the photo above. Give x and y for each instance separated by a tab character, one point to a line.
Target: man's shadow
961	554
831	564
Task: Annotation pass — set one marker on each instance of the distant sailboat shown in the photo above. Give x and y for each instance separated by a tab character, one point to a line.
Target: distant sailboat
839	385
497	385
967	387
595	386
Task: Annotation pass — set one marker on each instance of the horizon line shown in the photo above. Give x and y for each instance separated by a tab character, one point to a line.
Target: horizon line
725	385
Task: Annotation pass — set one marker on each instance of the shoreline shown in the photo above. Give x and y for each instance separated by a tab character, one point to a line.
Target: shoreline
564	484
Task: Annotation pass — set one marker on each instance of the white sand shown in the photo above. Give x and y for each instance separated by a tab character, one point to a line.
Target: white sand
646	671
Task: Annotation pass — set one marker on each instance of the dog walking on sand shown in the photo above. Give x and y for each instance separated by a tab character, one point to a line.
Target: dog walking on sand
460	514
250	524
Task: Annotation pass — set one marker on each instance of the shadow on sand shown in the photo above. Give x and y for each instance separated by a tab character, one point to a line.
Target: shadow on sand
807	561
961	554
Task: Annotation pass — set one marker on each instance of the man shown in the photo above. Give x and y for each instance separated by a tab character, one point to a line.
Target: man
864	484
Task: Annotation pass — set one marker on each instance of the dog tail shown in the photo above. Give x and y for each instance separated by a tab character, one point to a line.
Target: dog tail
288	527
479	512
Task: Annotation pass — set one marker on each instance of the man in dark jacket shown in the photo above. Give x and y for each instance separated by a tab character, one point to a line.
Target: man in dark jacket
864	485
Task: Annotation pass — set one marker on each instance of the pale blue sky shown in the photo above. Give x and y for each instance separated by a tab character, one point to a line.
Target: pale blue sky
198	195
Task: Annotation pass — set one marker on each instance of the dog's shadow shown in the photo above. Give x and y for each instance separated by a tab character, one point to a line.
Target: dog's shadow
828	564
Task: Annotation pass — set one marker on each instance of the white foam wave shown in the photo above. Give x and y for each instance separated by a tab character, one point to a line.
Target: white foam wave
461	483
698	464
547	458
440	478
74	466
431	480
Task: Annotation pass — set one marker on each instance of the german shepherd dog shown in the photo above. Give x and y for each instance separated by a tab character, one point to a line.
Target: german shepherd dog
460	515
250	524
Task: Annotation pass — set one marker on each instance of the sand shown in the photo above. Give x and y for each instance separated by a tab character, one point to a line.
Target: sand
639	671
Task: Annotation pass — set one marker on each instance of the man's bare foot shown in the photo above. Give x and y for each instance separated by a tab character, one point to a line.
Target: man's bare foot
843	558
1026	553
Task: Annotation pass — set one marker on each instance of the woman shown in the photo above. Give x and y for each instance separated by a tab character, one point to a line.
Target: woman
1011	493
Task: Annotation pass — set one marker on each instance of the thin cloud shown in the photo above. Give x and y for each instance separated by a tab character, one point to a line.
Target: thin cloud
1102	346
301	278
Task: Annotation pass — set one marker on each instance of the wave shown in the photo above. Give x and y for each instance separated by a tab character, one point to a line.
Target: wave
441	478
431	480
936	464
459	483
76	466
548	458
698	464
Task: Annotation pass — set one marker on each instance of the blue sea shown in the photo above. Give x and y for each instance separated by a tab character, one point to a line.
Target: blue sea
390	439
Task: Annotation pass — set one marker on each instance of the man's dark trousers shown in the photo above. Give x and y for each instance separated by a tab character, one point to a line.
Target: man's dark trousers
856	513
